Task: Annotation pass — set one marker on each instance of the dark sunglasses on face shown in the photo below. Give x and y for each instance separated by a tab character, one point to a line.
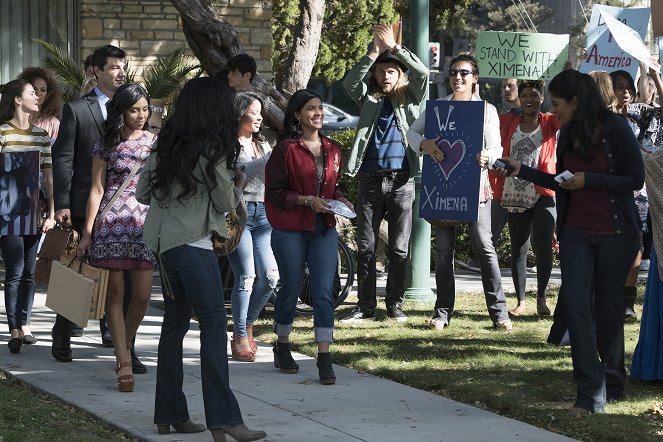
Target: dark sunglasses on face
463	72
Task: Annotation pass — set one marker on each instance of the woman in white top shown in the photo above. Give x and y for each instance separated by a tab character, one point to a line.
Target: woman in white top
253	263
463	77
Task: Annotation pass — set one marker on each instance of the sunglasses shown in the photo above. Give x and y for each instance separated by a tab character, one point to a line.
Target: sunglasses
463	72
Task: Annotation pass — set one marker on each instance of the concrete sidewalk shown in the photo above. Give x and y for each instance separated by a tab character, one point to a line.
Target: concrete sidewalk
290	408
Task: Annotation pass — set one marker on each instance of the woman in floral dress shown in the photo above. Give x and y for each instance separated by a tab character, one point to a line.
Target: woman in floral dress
113	238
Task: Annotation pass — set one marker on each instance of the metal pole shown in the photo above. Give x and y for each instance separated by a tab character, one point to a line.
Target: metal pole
418	274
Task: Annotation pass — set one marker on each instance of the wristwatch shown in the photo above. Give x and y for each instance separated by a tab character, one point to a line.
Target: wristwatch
395	49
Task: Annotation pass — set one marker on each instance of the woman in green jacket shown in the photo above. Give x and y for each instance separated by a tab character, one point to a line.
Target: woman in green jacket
190	181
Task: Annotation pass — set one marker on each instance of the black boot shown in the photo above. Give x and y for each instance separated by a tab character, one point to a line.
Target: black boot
630	293
61	334
283	358
325	369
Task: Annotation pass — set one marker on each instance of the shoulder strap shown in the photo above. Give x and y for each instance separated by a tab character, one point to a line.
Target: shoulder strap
123	187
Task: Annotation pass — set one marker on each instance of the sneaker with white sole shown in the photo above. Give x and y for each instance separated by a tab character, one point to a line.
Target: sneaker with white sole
396	312
359	315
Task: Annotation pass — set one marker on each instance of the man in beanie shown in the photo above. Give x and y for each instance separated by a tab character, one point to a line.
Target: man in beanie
389	98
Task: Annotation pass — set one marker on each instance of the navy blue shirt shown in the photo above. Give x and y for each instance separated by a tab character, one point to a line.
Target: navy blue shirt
386	150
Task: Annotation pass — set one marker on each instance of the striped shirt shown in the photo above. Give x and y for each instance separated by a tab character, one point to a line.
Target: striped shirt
13	139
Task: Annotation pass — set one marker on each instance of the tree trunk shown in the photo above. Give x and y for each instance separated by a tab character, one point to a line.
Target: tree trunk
213	41
304	48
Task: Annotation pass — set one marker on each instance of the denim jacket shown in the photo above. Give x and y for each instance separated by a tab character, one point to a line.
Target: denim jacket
371	106
626	173
172	223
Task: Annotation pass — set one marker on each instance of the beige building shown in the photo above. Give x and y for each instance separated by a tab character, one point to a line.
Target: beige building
145	29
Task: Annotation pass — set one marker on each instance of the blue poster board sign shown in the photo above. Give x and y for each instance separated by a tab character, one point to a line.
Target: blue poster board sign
450	189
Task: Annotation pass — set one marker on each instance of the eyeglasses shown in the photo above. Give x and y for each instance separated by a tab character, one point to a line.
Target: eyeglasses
463	72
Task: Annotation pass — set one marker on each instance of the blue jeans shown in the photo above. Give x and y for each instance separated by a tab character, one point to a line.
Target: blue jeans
20	256
491	278
319	251
594	270
194	281
379	195
254	268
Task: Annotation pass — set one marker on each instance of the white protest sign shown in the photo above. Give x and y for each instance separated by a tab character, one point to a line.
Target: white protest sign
603	51
629	40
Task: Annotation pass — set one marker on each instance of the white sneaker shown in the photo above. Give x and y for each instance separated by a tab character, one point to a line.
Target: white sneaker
644	265
358	315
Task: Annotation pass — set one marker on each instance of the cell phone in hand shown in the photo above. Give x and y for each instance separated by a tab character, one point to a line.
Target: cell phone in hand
564	176
501	165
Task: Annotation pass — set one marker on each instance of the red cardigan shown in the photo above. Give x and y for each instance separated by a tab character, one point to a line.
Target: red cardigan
291	172
549	127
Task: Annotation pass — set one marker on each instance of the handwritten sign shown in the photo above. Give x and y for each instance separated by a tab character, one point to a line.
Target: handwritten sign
629	40
603	50
521	55
450	190
19	173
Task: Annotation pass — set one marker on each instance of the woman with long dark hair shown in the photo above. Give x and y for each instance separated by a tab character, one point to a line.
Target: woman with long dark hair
114	224
597	227
47	90
253	263
19	252
300	178
191	183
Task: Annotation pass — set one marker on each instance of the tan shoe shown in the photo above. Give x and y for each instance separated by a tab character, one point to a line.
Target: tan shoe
437	324
579	412
505	325
518	311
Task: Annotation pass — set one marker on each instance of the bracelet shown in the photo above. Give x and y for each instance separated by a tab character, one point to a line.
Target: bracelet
308	202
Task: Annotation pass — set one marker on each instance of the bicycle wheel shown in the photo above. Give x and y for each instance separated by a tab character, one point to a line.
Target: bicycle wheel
343	280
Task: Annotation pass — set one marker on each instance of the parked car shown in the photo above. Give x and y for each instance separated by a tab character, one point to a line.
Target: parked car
337	119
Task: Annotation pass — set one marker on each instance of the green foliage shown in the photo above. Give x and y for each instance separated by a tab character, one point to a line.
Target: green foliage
70	73
165	77
346	32
467	18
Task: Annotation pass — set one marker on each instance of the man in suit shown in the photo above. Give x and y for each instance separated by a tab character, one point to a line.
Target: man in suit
80	129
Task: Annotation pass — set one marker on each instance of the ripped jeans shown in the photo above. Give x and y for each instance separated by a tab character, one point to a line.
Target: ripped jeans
254	269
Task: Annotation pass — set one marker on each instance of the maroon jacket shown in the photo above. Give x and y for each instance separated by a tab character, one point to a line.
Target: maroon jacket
290	172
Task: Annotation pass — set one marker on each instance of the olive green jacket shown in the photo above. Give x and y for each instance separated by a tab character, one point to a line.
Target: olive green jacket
172	223
356	84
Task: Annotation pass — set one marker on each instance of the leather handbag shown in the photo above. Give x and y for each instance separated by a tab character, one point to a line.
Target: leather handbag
235	222
58	241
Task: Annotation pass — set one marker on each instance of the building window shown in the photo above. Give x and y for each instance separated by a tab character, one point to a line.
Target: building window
56	21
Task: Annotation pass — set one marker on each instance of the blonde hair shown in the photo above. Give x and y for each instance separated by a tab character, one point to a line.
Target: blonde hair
603	82
397	94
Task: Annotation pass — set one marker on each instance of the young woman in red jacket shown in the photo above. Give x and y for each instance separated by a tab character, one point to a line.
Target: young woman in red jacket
301	177
529	138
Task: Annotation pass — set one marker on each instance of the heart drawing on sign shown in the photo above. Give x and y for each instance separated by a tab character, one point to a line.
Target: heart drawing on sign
453	155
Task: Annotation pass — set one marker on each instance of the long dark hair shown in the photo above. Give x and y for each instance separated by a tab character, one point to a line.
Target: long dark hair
291	126
53	102
241	103
10	91
203	124
584	129
124	98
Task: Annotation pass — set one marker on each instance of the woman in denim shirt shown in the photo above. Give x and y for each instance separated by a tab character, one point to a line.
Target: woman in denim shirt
189	183
597	229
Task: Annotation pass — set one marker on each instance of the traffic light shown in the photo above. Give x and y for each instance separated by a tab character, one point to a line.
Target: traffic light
434	54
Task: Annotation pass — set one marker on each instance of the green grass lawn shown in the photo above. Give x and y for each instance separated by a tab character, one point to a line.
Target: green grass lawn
26	415
513	374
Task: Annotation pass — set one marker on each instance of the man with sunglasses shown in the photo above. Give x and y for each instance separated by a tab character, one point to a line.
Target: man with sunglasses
383	164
